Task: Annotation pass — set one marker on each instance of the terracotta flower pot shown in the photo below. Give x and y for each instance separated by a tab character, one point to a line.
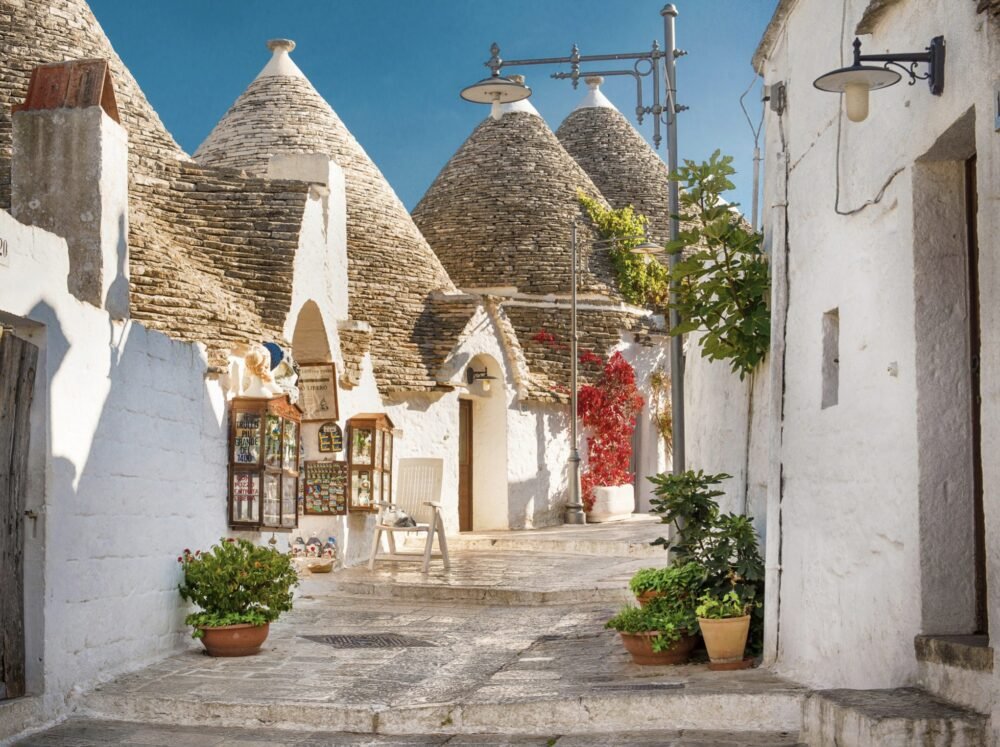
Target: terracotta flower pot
725	639
647	596
640	645
234	640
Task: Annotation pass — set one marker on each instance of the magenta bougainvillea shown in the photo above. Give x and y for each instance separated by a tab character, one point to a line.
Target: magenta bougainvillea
607	409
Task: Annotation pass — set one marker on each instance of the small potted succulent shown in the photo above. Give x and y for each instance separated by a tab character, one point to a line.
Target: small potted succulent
241	588
658	633
725	622
679	582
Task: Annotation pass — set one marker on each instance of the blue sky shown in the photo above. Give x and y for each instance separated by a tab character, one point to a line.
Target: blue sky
392	70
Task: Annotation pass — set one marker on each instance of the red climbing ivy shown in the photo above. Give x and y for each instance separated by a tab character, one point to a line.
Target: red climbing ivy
607	409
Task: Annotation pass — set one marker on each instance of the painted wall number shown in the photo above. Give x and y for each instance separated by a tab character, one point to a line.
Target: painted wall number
4	253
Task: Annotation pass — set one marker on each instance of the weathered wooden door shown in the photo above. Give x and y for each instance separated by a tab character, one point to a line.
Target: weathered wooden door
18	360
465	465
975	339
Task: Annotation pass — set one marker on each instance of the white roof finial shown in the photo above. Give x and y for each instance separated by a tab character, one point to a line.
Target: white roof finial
280	63
517	106
594	98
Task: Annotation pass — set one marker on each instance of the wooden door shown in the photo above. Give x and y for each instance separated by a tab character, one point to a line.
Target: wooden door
18	360
465	465
975	340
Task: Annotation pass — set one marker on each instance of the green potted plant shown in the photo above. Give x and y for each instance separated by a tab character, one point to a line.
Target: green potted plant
241	588
680	582
659	633
724	622
724	545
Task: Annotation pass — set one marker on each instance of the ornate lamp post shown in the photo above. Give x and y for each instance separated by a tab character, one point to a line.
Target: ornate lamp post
660	65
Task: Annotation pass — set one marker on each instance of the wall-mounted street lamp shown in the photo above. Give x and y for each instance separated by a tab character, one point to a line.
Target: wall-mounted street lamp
496	90
472	376
857	80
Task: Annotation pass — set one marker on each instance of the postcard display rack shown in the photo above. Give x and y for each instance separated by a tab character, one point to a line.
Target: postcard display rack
264	443
369	455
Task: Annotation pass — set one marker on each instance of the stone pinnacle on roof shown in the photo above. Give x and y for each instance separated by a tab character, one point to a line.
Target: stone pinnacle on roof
524	105
595	98
621	163
391	269
499	214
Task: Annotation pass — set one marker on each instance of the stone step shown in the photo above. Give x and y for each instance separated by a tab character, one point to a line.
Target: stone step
77	732
476	594
625	539
888	718
670	710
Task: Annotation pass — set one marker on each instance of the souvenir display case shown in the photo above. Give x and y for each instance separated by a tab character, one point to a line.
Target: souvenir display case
369	458
264	445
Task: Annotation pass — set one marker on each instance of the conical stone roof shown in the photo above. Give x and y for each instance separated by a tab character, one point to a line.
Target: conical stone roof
499	213
618	159
392	270
36	32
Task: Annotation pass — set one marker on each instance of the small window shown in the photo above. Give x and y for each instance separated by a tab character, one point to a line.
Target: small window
831	358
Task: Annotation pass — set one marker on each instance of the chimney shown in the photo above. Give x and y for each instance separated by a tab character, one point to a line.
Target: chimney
69	176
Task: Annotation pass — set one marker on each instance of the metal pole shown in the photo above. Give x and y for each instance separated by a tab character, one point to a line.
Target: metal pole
574	509
669	14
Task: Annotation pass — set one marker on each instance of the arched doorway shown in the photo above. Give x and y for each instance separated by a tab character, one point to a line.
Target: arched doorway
482	449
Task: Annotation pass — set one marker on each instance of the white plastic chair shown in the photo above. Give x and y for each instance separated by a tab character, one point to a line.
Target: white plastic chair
418	493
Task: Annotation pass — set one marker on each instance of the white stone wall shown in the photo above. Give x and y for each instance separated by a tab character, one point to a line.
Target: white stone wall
128	469
855	585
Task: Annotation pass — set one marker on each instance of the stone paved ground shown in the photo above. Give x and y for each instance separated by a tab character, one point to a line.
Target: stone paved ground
513	644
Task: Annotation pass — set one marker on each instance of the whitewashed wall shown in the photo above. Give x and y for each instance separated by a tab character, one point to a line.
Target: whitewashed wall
852	580
127	459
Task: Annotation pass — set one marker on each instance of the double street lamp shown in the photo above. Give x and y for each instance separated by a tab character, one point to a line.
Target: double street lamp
660	65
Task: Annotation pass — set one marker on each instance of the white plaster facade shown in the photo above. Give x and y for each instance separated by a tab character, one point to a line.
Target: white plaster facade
870	520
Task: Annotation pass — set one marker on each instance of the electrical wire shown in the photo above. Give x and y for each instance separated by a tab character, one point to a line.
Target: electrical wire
840	127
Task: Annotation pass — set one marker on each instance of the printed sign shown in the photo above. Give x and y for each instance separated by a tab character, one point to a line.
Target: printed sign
331	438
246	440
326	488
246	491
318	391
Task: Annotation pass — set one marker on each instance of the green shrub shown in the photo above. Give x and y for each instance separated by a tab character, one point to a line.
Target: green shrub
680	581
236	582
712	607
671	624
724	545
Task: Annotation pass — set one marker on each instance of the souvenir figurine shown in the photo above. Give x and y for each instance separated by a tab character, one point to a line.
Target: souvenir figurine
313	547
258	371
330	548
298	547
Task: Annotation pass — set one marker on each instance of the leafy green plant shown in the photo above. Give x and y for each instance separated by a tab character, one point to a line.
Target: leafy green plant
663	413
236	582
713	607
669	624
722	281
641	280
724	546
680	581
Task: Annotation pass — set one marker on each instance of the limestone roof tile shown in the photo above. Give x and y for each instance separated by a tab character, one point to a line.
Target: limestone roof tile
499	213
391	269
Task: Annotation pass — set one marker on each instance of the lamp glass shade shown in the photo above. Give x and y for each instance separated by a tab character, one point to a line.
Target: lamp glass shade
856	101
647	247
495	90
873	78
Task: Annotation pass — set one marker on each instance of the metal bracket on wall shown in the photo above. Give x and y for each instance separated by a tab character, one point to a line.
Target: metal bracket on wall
775	94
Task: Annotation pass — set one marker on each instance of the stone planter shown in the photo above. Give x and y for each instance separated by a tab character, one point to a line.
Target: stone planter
234	640
725	639
612	504
640	646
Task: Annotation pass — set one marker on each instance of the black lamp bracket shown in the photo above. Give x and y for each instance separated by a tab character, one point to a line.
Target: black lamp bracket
472	375
910	61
